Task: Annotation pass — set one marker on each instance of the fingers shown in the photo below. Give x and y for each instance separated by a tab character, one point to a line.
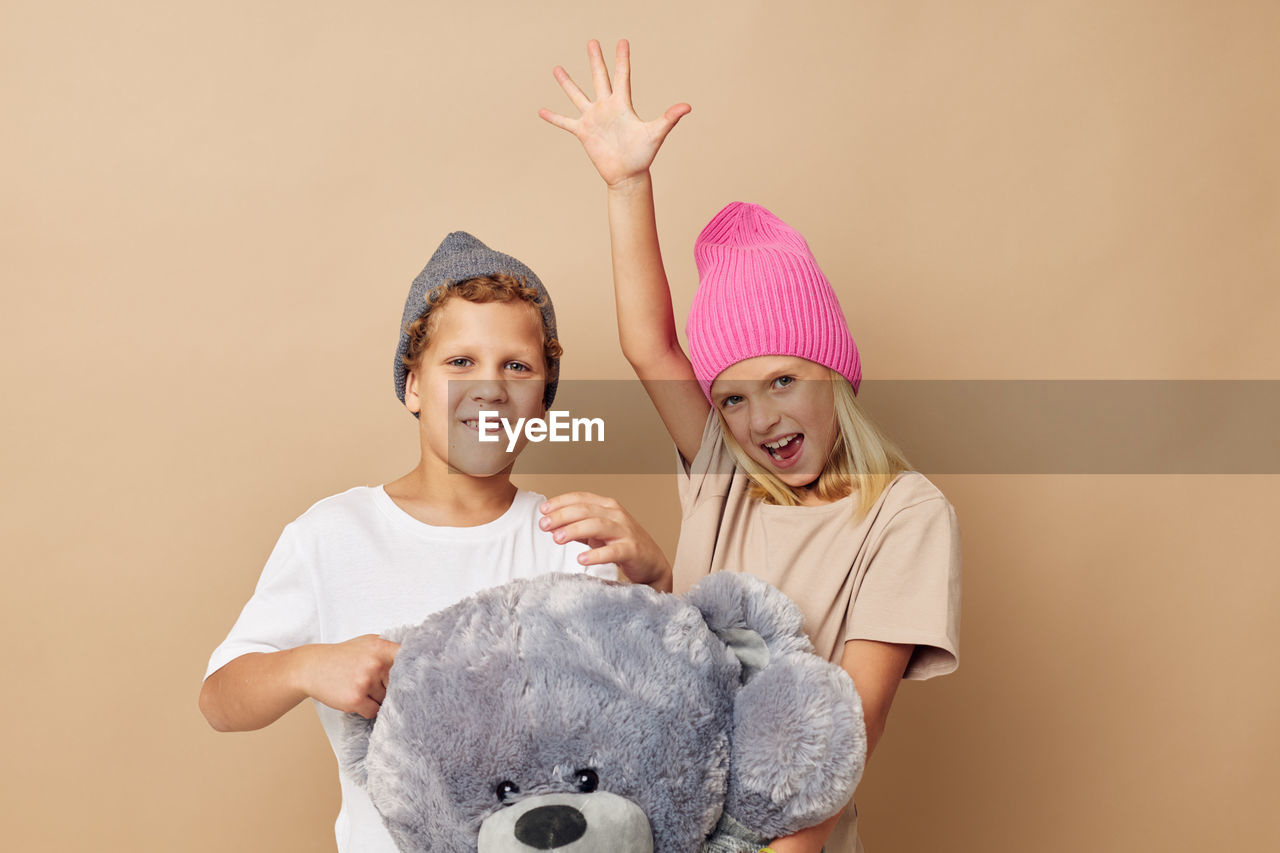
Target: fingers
578	506
562	122
599	73
372	685
580	100
622	70
662	126
365	699
386	653
614	552
375	684
675	113
611	534
559	501
588	528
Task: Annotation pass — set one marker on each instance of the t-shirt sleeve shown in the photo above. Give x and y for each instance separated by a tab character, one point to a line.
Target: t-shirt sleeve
911	590
710	471
282	613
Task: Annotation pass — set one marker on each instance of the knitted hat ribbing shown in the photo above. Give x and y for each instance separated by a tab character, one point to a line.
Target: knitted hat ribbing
459	257
760	292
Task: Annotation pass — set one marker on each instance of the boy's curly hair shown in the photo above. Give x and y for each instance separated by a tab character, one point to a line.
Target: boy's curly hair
498	287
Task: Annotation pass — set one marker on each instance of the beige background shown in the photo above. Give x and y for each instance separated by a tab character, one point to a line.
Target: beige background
210	216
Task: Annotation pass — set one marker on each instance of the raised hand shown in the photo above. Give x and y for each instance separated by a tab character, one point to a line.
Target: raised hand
619	144
611	533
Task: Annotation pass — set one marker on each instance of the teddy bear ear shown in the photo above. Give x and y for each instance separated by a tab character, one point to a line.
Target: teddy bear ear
353	747
749	648
799	745
756	621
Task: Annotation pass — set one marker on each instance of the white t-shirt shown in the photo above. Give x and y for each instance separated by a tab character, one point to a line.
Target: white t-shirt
356	563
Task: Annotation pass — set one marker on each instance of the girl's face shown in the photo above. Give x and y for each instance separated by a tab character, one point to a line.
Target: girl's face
781	411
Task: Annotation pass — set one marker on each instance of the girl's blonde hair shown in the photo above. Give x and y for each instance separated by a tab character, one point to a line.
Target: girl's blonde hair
861	458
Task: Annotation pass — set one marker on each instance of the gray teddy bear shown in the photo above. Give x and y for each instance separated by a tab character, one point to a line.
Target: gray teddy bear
571	714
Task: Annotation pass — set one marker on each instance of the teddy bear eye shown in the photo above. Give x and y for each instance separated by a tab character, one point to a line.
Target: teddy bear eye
505	790
586	780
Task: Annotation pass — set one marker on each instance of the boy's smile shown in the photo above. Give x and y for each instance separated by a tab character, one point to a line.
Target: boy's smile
781	411
480	356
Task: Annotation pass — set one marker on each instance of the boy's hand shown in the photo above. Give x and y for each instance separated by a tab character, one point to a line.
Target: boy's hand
620	145
610	532
350	676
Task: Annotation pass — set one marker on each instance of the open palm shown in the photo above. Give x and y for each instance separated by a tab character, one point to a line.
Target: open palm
619	144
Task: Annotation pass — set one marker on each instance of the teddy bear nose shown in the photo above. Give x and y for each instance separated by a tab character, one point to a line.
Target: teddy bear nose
549	827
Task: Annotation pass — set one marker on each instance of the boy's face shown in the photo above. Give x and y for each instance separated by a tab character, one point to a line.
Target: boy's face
481	356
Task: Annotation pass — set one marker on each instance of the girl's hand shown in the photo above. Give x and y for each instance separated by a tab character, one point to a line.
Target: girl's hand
612	535
619	144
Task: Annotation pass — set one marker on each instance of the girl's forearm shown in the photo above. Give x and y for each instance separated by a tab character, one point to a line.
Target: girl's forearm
808	840
646	321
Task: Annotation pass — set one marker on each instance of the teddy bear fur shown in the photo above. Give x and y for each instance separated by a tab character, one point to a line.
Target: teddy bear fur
661	723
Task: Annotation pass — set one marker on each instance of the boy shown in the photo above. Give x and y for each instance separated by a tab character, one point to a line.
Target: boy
478	334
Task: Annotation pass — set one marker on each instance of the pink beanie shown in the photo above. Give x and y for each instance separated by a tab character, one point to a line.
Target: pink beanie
760	292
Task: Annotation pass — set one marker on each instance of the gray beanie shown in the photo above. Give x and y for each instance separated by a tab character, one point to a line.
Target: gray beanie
460	257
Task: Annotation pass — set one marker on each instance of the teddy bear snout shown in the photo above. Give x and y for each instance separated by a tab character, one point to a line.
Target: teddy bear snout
597	822
549	827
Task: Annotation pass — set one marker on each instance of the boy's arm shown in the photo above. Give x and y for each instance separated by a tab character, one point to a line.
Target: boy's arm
256	689
622	147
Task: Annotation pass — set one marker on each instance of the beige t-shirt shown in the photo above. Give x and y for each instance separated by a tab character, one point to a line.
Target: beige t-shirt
892	575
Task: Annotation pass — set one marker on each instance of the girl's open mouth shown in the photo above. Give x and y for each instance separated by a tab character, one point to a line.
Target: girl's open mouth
785	450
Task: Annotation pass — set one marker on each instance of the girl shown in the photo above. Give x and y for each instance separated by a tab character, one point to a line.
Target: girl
781	475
